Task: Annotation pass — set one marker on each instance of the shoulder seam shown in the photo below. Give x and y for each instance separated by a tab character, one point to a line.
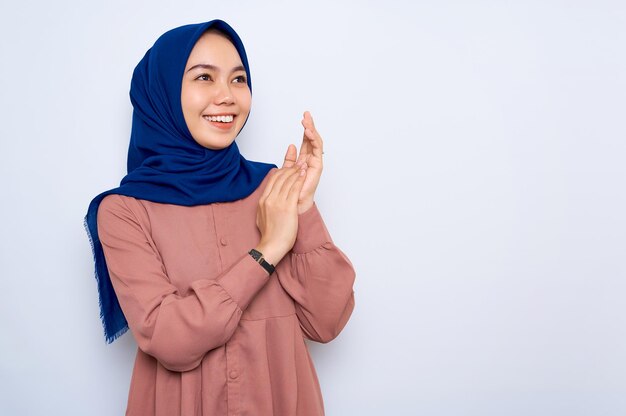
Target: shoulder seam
122	203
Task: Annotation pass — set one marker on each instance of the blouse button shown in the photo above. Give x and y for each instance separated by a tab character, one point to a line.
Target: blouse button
233	374
223	241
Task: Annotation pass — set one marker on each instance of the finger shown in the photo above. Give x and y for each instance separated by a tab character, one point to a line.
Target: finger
270	183
290	156
288	184
316	144
305	150
294	192
307	121
278	184
312	135
309	124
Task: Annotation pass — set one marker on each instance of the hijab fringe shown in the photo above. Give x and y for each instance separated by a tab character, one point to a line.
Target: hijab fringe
108	337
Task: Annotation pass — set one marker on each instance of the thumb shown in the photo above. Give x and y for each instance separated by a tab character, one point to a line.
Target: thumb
290	156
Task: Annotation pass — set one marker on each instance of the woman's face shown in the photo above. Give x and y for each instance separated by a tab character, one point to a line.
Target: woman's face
215	96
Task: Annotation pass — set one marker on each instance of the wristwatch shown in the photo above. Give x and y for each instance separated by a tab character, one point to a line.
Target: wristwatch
258	257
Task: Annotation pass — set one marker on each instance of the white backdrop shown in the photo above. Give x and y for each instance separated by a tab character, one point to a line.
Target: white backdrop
474	174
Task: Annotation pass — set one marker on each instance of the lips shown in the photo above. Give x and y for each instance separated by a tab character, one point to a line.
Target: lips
222	125
225	118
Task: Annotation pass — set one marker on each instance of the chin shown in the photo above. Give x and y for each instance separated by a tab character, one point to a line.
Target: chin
216	145
215	140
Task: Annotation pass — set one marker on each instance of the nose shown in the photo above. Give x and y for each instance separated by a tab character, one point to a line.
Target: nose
223	94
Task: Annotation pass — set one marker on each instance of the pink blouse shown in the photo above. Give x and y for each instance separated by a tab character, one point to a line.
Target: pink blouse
216	334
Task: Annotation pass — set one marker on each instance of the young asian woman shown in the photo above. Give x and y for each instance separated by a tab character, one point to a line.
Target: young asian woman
221	267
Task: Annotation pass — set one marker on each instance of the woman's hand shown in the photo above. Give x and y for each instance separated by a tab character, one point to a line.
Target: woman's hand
277	213
311	152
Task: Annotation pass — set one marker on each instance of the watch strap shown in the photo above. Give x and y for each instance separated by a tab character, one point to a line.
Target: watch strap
258	257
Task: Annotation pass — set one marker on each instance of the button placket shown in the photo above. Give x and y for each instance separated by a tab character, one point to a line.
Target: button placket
233	377
217	232
225	236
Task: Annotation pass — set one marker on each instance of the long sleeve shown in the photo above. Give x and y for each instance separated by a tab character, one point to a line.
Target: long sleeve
319	277
177	330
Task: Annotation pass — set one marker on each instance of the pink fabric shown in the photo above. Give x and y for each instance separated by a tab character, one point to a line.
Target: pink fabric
216	335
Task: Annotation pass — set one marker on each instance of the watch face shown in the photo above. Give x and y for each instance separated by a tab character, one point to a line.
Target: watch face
255	254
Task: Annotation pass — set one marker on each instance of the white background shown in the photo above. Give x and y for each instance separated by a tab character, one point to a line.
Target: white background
474	174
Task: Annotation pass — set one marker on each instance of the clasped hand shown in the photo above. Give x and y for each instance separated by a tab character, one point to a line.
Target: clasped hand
289	192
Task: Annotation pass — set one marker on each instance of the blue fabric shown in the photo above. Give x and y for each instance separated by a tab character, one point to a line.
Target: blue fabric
165	164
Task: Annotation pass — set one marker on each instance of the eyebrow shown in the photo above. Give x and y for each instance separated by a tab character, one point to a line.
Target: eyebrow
214	68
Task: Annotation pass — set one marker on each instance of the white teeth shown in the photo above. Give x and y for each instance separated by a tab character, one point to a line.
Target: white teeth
223	119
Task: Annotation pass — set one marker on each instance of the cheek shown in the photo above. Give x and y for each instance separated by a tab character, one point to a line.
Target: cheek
190	100
190	110
245	100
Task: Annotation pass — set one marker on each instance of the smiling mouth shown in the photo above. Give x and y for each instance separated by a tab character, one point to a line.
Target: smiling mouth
221	122
222	119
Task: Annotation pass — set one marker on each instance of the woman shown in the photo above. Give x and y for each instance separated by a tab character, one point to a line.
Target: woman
220	266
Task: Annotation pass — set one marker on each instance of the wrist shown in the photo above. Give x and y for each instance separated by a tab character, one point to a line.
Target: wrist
304	206
258	257
271	253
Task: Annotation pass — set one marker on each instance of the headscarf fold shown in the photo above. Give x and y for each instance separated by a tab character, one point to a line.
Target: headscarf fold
165	164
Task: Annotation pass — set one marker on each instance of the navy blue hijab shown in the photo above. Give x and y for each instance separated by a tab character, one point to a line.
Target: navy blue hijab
165	164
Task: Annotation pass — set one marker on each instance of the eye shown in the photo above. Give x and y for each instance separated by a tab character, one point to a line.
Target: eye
205	77
240	79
